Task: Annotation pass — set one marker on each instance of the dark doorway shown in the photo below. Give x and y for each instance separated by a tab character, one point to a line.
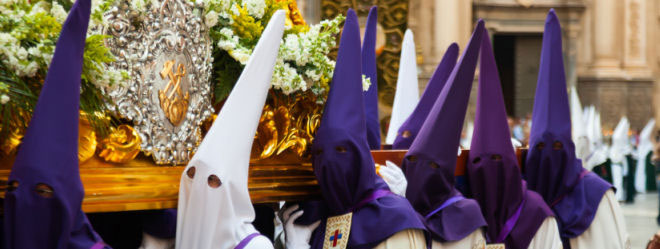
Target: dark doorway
504	46
517	57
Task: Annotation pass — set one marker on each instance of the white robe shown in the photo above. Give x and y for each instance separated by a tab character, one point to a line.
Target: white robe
475	240
259	242
617	179
607	230
408	238
547	236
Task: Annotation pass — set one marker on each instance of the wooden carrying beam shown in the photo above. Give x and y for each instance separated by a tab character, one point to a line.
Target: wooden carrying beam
142	185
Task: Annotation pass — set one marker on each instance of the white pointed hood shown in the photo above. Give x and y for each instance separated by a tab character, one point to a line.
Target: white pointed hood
598	151
221	217
576	114
643	149
407	87
467	140
577	125
620	142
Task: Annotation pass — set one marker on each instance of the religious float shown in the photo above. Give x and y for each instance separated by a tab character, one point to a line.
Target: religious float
156	72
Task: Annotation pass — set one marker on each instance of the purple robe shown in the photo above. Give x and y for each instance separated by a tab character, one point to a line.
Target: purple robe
342	161
513	213
430	163
551	168
43	203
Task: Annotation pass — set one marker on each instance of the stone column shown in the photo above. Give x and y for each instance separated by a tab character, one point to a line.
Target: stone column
635	63
606	38
311	10
452	23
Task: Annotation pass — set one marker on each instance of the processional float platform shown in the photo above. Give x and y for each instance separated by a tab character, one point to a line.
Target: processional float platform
142	185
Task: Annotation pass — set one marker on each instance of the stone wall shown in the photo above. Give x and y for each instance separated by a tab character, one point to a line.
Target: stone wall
617	98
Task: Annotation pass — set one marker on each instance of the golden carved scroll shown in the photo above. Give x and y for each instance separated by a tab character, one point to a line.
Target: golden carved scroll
173	102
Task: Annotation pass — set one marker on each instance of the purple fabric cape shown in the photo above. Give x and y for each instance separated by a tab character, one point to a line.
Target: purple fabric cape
369	70
551	168
493	173
49	155
342	161
160	223
414	122
430	163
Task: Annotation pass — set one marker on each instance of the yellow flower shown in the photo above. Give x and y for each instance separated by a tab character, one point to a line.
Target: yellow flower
245	26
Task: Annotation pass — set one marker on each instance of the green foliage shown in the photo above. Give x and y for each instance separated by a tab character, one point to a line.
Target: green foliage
225	74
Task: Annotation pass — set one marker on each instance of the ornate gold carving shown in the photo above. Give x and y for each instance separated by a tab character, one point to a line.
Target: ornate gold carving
121	146
86	140
8	147
172	100
286	124
293	15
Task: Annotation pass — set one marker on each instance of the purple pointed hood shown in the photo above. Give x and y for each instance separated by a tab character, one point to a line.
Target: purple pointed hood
43	203
552	169
342	161
430	162
513	213
369	70
409	129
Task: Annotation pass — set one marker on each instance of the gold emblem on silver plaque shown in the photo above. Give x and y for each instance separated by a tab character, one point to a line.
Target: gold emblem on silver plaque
166	51
172	100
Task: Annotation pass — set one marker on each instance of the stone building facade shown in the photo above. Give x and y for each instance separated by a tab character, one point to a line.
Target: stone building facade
611	51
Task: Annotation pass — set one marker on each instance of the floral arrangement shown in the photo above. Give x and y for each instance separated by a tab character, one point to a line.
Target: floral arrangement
303	63
29	30
28	33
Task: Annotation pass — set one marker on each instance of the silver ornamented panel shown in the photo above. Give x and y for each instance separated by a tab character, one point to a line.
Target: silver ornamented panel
166	50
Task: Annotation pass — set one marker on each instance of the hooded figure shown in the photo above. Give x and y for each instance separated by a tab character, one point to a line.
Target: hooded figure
407	88
369	70
516	216
596	154
345	169
618	151
214	209
406	133
645	172
44	197
429	165
584	204
579	134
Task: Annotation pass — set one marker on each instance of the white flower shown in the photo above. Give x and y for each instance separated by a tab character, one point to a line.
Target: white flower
229	41
227	32
155	3
30	69
255	8
211	19
39	7
21	53
242	55
139	5
234	10
227	45
8	2
4	99
366	83
7	39
58	12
